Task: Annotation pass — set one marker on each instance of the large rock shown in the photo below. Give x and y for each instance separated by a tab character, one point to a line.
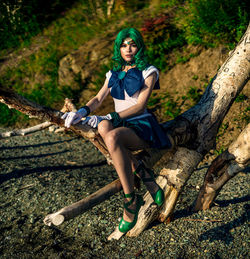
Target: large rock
79	68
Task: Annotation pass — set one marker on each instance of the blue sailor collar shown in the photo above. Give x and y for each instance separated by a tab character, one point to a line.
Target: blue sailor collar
131	83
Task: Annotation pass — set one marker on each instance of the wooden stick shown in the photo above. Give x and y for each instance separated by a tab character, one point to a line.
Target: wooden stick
67	107
204	220
23	132
83	205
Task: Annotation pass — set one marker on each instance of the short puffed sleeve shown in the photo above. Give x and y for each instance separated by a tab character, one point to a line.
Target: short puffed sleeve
149	71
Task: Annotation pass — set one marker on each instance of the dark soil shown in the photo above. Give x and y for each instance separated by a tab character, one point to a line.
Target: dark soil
43	172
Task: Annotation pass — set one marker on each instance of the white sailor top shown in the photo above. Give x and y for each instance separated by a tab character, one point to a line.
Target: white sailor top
125	91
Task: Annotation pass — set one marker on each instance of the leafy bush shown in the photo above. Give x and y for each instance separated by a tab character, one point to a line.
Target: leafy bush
210	21
20	20
204	22
161	36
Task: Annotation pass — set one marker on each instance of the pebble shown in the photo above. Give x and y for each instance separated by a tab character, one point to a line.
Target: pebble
22	212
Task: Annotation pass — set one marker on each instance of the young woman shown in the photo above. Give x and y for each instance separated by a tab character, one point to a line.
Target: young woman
131	126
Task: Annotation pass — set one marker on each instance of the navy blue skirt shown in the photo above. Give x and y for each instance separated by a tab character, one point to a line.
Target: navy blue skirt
148	129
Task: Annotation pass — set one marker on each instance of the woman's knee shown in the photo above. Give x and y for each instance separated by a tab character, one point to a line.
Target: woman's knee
104	127
112	140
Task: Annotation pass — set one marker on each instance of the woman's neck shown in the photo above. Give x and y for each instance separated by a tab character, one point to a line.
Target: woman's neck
127	67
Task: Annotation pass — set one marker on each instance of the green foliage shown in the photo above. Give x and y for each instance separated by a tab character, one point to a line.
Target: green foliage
210	21
20	20
101	75
184	59
241	98
66	25
161	36
172	108
154	100
246	115
65	34
171	3
10	116
219	151
194	94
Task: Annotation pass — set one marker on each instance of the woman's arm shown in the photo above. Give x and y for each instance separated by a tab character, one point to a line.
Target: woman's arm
97	100
74	117
144	95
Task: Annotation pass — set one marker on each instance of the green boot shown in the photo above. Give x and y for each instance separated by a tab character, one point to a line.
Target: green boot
125	226
157	196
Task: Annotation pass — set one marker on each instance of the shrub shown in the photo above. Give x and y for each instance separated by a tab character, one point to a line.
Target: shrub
211	21
160	36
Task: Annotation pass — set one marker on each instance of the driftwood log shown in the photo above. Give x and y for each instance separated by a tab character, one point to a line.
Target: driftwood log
67	107
192	134
228	164
204	119
23	132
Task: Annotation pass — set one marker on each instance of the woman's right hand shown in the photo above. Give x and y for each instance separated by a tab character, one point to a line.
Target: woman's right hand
72	118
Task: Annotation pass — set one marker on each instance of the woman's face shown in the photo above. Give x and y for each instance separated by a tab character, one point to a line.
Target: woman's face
128	49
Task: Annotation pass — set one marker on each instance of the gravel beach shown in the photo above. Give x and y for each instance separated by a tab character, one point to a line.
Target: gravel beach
44	171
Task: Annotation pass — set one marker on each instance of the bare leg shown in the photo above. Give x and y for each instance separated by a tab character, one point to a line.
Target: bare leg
118	142
104	128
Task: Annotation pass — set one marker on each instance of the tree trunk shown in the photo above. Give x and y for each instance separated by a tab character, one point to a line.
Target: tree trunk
195	130
204	119
235	159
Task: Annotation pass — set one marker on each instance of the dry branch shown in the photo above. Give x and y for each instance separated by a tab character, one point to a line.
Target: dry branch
15	101
83	205
195	130
23	132
204	120
67	107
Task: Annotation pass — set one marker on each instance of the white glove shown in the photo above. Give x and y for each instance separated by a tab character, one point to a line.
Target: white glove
95	120
74	117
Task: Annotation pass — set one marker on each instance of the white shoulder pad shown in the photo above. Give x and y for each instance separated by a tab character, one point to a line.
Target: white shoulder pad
150	70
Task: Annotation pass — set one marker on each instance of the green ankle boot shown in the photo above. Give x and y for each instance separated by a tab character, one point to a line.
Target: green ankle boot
158	196
125	226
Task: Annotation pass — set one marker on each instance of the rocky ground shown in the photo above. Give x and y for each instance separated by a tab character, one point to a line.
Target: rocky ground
43	172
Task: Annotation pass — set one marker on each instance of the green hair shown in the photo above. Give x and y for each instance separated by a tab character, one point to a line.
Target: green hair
140	57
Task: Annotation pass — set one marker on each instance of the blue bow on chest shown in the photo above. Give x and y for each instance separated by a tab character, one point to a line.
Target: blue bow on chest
131	83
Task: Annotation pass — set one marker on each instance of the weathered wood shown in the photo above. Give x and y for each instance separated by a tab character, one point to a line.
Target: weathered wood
67	107
204	120
172	179
81	206
195	129
235	159
23	132
85	204
18	102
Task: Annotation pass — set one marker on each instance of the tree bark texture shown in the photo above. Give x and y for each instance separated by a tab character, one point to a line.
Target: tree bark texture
67	107
204	119
192	134
83	205
235	159
34	110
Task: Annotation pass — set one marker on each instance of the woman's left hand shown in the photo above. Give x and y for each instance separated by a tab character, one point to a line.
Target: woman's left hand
94	120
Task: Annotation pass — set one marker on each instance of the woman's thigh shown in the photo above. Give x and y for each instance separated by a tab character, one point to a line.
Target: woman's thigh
127	137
